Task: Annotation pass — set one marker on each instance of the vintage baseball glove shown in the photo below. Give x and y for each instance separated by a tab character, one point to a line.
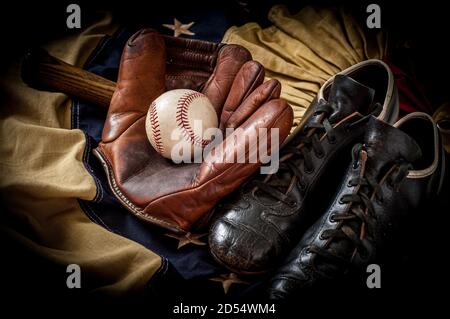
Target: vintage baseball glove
179	196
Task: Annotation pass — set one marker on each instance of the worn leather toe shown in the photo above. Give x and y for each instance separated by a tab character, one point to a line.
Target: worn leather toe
240	247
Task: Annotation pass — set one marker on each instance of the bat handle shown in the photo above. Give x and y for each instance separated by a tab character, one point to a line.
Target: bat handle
44	72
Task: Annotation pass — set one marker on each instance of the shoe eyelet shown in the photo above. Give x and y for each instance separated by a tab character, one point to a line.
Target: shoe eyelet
349	184
291	203
309	171
332	140
340	201
364	255
321	236
320	154
332	218
301	186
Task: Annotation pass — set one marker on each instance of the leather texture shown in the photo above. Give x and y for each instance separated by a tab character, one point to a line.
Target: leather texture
259	224
179	196
395	171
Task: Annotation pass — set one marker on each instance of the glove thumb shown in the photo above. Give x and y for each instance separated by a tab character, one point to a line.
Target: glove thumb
141	80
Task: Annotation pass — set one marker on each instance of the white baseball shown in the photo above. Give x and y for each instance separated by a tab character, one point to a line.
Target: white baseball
177	110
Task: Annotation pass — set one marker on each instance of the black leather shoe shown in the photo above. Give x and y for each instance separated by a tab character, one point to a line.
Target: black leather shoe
396	171
262	222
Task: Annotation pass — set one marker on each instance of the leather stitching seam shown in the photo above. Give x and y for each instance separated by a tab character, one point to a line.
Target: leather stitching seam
154	122
182	119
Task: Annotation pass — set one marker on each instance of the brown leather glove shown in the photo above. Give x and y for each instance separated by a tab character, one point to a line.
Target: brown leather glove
178	196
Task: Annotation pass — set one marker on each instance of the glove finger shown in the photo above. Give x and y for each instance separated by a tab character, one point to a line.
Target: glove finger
229	61
224	167
263	93
141	79
249	77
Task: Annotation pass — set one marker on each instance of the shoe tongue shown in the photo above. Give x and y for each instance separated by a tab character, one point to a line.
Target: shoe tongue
348	96
386	144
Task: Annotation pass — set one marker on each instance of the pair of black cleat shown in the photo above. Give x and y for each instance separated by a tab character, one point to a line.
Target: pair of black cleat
348	178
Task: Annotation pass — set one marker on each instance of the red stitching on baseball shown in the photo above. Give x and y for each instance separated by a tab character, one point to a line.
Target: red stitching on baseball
154	123
183	121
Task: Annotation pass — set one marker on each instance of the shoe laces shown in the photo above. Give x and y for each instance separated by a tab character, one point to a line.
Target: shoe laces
361	210
299	150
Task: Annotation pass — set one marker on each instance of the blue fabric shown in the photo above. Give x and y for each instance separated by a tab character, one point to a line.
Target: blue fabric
209	24
191	262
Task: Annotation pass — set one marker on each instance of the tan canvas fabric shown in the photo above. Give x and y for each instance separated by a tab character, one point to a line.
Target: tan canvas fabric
303	50
42	175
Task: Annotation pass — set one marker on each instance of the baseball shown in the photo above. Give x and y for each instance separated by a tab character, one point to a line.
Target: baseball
183	114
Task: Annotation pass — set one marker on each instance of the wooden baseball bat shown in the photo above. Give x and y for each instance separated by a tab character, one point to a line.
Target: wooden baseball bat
44	72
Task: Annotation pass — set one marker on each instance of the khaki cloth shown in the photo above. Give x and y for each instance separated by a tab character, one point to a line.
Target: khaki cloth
303	50
42	175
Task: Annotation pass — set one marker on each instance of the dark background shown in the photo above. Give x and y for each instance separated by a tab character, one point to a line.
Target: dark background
419	33
419	30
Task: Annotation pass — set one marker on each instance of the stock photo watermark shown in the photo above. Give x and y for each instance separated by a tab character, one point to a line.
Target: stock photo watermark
374	278
374	19
73	20
232	146
74	278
